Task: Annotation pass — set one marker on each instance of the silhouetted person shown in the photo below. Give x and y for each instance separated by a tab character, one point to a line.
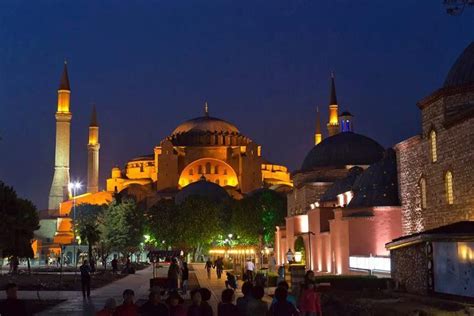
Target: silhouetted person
243	302
257	307
173	275
206	309
12	306
114	265
175	304
128	307
85	279
231	281
226	307
154	306
282	307
184	278
208	267
109	308
195	308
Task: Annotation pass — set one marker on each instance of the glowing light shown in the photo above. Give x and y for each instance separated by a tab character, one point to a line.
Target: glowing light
465	252
298	256
370	263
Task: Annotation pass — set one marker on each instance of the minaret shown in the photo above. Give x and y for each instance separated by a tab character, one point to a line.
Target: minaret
206	109
318	136
93	155
59	188
333	124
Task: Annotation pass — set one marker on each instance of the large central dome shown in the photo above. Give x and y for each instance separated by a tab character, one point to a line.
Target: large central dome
205	124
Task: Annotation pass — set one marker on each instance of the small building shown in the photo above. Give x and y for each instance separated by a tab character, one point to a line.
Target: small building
440	260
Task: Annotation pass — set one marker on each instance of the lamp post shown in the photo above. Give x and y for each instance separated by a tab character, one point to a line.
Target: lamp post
289	256
73	187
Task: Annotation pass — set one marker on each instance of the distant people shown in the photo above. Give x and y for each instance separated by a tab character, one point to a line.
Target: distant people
196	299
175	304
290	298
12	306
85	279
243	302
282	307
231	281
154	306
128	307
219	264
115	265
257	307
226	306
206	309
310	302
281	274
173	275
109	308
208	268
184	278
249	270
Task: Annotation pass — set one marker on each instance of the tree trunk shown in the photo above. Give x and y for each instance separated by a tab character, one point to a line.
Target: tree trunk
90	251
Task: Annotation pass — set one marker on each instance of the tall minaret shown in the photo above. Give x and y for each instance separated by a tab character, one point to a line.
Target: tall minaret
59	188
333	124
93	155
318	136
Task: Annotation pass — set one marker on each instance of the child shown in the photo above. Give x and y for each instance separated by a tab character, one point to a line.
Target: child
231	281
310	301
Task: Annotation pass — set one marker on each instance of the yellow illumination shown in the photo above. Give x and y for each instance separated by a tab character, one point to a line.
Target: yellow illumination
449	187
333	117
434	150
465	252
214	170
317	138
63	101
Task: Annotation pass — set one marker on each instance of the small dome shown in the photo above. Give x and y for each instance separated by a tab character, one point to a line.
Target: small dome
343	149
206	124
378	185
202	188
462	71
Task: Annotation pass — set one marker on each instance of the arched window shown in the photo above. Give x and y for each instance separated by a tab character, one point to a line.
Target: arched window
216	169
191	171
200	169
423	192
448	183
434	149
208	168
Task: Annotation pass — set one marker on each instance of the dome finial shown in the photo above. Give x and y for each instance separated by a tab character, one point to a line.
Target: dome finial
206	109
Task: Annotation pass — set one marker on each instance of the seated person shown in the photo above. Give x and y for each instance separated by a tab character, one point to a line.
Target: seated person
231	281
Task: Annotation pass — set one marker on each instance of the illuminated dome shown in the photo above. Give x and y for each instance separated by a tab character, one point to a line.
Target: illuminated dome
202	188
462	71
206	124
343	149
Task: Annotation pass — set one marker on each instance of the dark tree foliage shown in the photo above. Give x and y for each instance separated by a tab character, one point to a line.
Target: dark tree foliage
87	224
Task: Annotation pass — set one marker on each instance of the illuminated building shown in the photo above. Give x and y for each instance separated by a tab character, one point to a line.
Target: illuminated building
344	204
204	146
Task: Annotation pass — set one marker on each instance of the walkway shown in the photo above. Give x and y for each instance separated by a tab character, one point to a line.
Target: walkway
76	305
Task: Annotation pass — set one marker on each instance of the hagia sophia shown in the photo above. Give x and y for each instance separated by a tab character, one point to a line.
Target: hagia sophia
347	202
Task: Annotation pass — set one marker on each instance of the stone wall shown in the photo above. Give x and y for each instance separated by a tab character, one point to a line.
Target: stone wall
409	268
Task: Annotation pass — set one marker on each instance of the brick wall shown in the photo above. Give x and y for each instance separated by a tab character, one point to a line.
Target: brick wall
409	268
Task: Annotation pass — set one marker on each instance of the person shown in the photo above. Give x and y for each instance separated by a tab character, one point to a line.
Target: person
257	307
92	264
281	274
208	267
243	302
231	281
12	306
115	265
219	264
85	279
173	275
290	298
206	309
226	308
128	307
249	269
196	300
154	306
282	307
310	302
175	304
272	263
109	308
184	277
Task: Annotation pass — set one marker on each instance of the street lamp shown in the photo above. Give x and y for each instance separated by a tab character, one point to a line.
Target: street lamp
289	256
73	187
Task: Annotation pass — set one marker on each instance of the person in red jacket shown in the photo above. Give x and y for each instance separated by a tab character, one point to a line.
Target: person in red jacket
128	308
310	301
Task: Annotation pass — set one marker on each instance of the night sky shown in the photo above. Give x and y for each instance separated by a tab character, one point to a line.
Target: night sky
262	65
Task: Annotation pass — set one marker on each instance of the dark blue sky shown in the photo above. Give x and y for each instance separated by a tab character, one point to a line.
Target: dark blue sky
263	65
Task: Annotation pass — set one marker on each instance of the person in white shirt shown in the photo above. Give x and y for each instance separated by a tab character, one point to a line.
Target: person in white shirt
249	269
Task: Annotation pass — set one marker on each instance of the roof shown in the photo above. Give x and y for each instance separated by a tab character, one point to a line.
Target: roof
458	231
206	124
346	148
144	157
342	185
202	188
345	113
462	71
378	185
333	97
64	82
94	122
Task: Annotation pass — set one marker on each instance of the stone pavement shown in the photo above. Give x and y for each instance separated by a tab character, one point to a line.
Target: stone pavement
76	305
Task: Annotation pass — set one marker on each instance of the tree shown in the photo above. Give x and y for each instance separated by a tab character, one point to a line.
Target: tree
18	221
87	224
123	226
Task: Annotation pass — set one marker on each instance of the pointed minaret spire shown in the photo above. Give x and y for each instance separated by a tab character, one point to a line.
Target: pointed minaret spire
64	83
94	122
206	109
333	124
318	136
